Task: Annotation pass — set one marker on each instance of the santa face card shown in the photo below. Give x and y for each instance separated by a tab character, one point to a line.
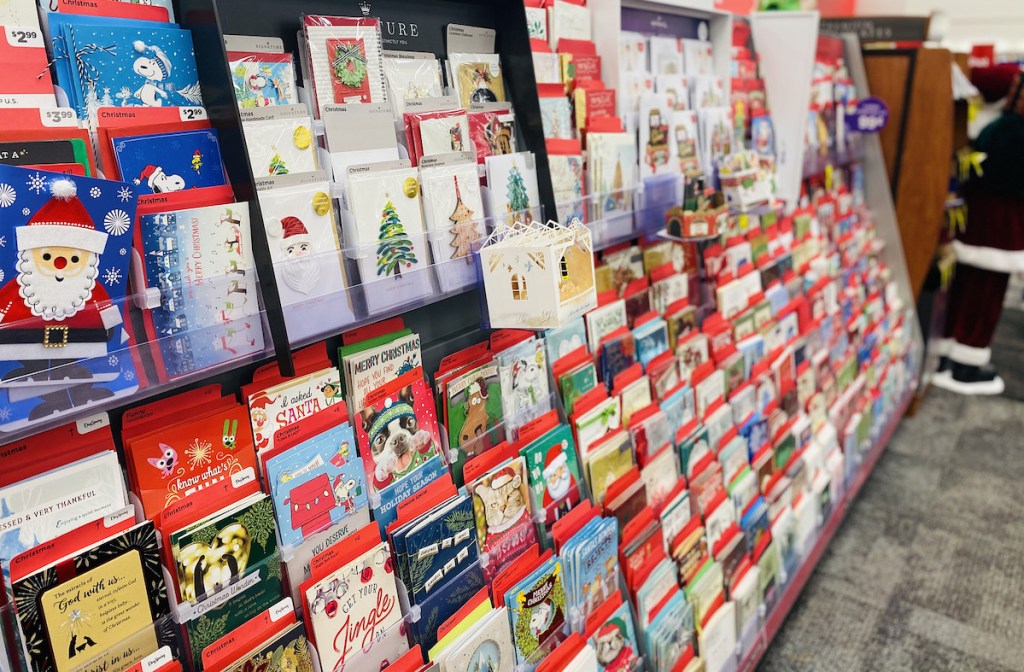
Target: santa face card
554	474
188	160
304	243
512	181
65	262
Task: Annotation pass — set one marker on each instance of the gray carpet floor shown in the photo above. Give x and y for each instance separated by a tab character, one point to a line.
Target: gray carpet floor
926	572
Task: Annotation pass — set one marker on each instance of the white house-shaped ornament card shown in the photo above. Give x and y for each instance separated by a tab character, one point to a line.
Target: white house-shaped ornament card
537	276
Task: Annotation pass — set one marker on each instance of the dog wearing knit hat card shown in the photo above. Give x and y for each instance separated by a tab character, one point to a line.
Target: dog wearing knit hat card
64	244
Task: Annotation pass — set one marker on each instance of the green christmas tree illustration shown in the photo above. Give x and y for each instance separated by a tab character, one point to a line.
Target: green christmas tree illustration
517	197
277	166
394	247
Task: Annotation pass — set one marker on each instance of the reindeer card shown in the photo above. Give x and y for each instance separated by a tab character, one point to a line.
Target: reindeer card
399	442
317	484
209	312
474	411
170	464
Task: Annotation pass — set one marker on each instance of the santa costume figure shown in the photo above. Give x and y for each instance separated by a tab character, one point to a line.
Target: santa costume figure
557	479
300	269
992	245
54	312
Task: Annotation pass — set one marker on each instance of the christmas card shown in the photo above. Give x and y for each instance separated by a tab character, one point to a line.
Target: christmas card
287	649
537	611
633	52
371	364
698	57
96	607
188	160
547	68
501	500
523	373
411	75
537	23
675	87
399	442
657	151
262	79
444	135
615	641
492	131
554	474
318	484
390	236
609	460
298	216
477	78
115	62
512	185
209	312
567	181
666	56
568	21
556	117
64	262
454	211
684	139
279	140
474	414
486	646
591	562
352	609
290	402
345	60
174	462
611	173
357	135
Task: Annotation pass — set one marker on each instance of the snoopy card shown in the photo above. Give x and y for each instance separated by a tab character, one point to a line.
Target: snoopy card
166	162
399	442
64	243
318	484
170	464
107	63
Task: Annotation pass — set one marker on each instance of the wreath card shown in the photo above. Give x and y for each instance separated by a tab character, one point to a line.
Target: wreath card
345	60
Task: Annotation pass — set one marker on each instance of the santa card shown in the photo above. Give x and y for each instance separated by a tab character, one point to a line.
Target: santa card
291	401
65	262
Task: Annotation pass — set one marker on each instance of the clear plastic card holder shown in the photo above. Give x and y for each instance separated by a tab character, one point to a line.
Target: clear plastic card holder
542	651
610	216
658	195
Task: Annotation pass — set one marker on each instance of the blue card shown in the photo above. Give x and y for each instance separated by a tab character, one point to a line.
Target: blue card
615	642
167	162
324	472
442	605
125	64
64	251
439	549
651	340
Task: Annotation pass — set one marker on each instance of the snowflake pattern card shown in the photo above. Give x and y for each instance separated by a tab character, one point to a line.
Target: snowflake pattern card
345	60
107	63
299	218
187	160
64	252
477	78
279	140
209	312
454	209
262	80
512	185
390	237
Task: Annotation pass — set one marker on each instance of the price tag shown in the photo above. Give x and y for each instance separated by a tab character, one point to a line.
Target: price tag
870	116
192	113
24	36
58	117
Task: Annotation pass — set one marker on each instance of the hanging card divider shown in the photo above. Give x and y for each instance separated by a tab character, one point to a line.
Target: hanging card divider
406	25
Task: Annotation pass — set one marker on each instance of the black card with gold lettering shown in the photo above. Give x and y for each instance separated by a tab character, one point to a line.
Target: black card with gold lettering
102	608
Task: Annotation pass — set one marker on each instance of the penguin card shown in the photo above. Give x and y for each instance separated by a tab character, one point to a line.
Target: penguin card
105	62
262	80
166	162
64	251
279	140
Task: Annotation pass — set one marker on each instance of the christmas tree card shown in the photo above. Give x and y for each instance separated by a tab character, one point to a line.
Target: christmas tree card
106	62
209	309
389	237
512	186
399	442
188	160
298	215
97	607
64	262
280	140
182	460
318	484
454	211
345	59
262	79
537	612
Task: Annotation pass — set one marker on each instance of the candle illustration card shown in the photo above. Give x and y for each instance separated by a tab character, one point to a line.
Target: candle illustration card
167	162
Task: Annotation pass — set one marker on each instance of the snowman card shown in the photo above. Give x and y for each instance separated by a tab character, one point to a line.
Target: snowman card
166	162
123	63
64	251
279	140
389	237
209	310
262	80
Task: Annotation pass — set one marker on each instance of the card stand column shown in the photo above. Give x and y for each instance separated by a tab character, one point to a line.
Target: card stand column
230	599
423	619
67	373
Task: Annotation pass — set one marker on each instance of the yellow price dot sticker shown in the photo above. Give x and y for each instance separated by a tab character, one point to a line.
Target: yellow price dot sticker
411	187
321	203
301	137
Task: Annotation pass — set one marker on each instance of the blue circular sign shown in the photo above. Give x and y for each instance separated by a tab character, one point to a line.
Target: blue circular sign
870	116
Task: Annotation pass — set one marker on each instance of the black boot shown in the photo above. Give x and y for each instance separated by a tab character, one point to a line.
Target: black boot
971	380
84	394
30	371
55	402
